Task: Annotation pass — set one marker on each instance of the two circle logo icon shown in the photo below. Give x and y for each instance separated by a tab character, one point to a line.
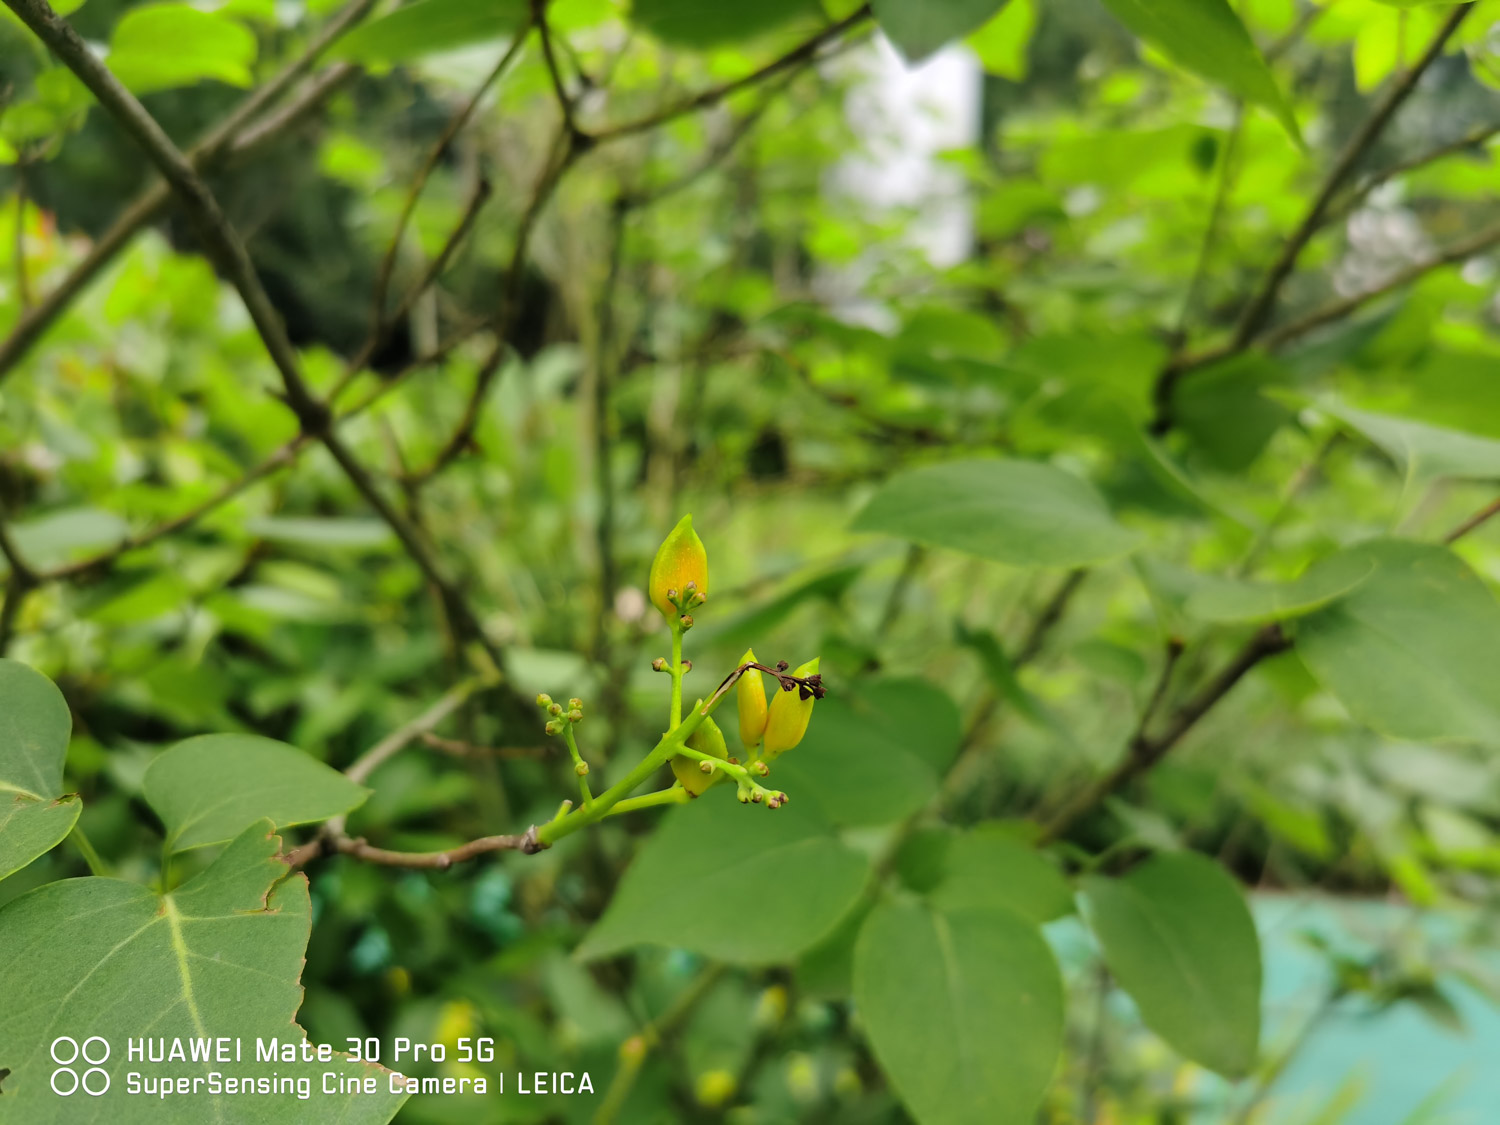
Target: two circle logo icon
66	1051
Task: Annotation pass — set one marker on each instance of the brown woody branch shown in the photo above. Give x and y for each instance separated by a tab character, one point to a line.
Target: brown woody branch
805	52
235	138
1262	303
225	245
445	139
1145	749
565	153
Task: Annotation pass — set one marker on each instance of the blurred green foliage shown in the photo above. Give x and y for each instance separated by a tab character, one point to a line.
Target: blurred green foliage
1104	567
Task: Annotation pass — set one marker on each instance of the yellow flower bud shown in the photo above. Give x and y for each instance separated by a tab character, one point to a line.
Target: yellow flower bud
680	562
707	739
789	715
750	694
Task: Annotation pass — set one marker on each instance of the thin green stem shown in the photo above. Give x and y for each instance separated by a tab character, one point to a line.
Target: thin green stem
676	671
739	773
96	863
670	743
675	795
583	781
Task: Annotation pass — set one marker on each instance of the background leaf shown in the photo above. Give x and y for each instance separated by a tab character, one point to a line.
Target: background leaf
159	46
855	768
1414	650
692	884
1207	37
34	729
707	23
963	1007
919	27
429	26
988	866
1179	938
207	789
1231	601
1423	451
1017	512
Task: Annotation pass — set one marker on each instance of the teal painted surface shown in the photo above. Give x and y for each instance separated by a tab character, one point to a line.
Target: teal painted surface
1397	1067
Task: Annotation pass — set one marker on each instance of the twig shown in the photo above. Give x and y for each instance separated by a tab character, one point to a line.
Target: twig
1300	480
1145	750
1472	139
1478	519
604	370
1216	213
457	748
389	746
225	245
234	138
564	102
1262	303
455	125
1031	648
804	52
634	1051
1479	242
564	153
439	861
894	602
1334	310
23	282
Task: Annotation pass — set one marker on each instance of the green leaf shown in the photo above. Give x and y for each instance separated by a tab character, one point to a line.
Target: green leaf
1424	452
1001	44
988	866
853	770
710	23
919	27
1018	512
221	956
1230	601
34	730
54	538
207	789
1206	37
1179	938
323	533
1414	650
160	46
429	26
916	714
964	1009
746	885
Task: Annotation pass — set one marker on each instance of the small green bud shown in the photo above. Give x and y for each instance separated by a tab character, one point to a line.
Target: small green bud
581	769
659	664
686	621
554	727
575	703
706	767
543	699
554	709
575	716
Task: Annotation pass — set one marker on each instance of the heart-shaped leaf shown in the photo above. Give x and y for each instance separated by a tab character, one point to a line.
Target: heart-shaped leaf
207	789
102	962
35	725
964	1008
